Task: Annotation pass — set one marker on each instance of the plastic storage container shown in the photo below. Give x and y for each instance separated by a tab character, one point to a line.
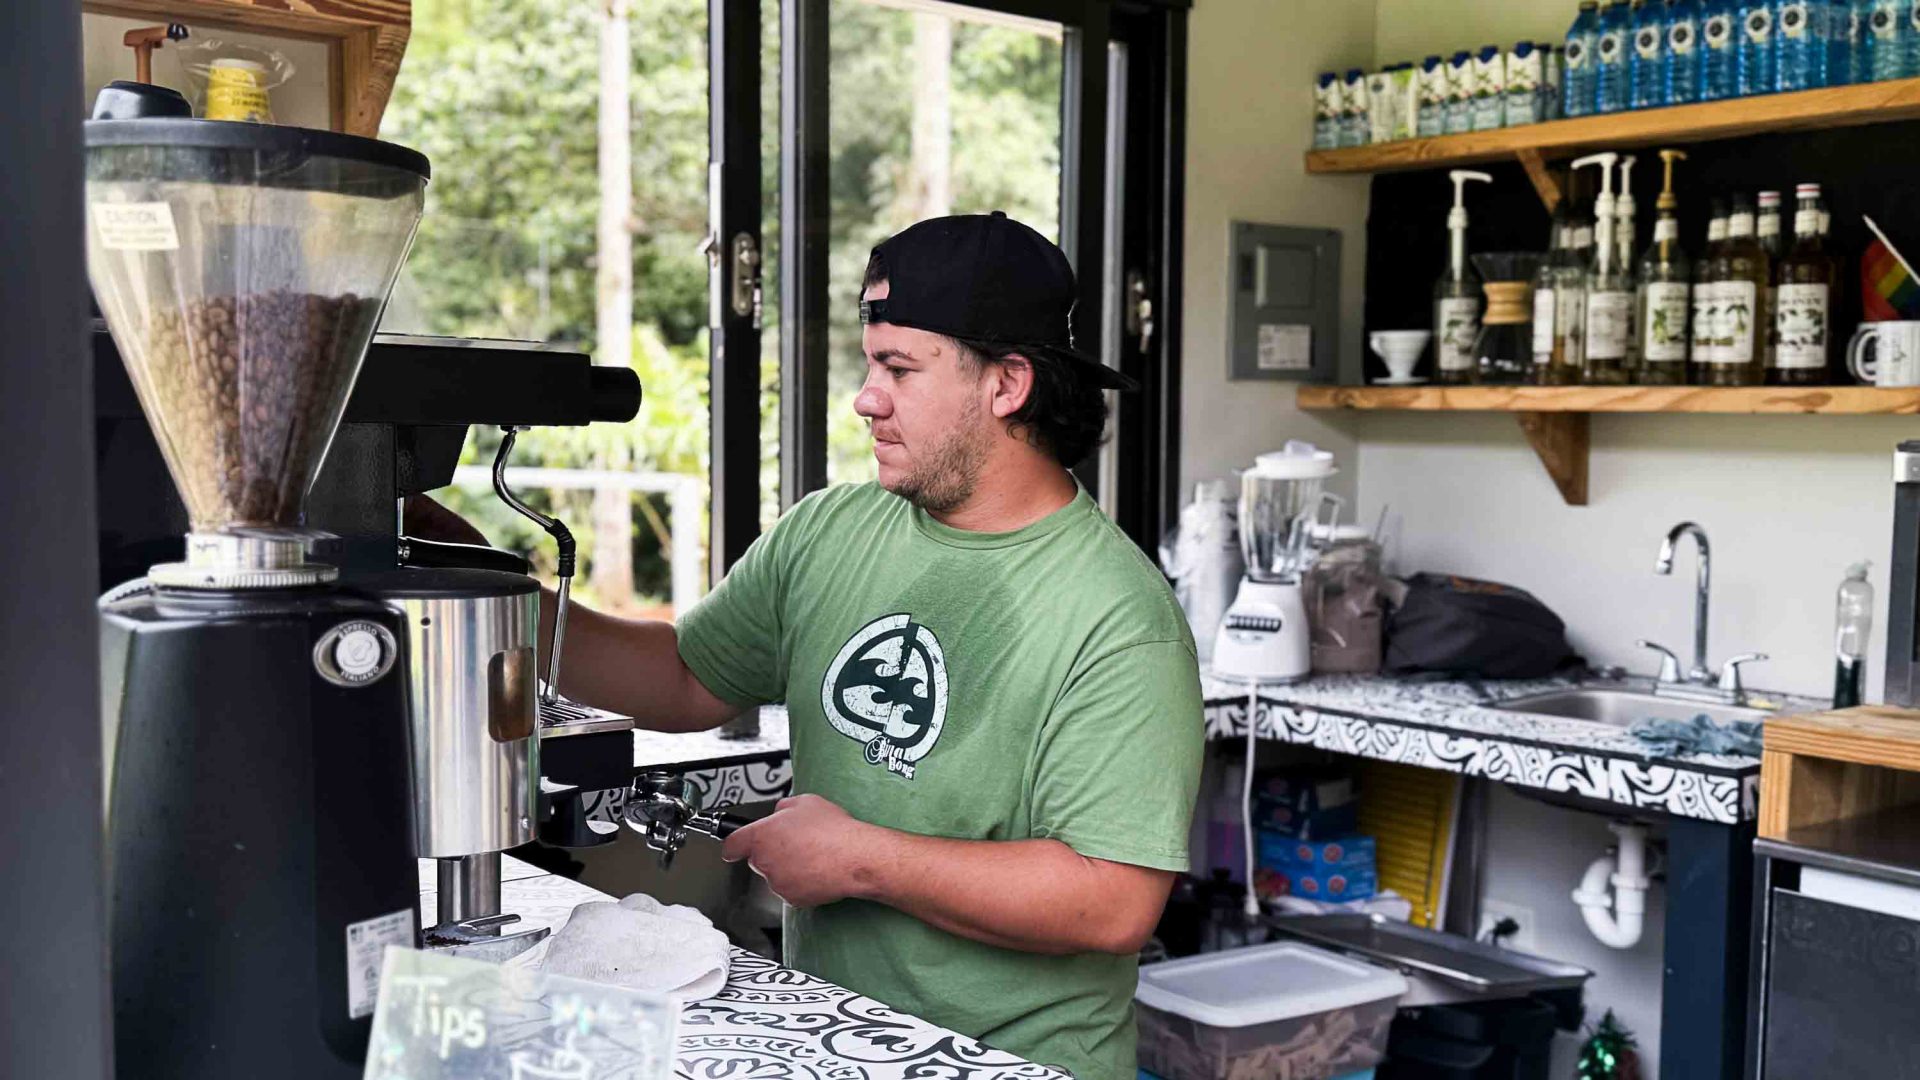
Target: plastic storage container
1281	1010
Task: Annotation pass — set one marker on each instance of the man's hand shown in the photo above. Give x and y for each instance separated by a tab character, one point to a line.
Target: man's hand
808	849
424	519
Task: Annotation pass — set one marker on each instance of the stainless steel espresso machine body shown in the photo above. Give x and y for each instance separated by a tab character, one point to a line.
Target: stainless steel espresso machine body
472	696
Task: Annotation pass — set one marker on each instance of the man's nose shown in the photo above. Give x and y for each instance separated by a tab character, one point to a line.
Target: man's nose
871	402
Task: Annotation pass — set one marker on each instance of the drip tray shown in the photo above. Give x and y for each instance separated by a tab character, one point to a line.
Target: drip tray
1442	968
560	718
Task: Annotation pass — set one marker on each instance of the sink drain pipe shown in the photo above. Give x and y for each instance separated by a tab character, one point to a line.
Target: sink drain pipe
1617	918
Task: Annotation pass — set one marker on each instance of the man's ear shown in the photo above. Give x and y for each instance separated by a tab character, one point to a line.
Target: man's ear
1011	382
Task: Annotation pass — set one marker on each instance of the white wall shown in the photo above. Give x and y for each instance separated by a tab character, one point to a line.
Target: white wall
1407	30
1788	502
1249	119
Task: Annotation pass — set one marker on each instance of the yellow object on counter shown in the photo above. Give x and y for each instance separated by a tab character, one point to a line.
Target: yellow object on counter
237	90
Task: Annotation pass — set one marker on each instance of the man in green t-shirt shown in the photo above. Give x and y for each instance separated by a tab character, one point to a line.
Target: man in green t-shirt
993	697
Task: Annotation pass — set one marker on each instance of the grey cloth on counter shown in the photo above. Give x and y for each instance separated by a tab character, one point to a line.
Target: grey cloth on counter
642	944
1700	735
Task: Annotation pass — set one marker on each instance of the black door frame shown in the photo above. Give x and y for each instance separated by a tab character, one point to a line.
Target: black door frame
733	191
55	1018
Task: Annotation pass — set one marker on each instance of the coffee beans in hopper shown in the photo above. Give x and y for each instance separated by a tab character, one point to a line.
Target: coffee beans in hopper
244	389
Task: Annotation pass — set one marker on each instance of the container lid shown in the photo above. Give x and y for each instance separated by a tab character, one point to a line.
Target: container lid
1263	983
1296	461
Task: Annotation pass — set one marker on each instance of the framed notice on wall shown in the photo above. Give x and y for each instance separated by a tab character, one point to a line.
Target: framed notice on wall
1283	321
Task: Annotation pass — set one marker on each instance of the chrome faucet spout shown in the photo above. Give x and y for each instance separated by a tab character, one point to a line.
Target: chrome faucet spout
1702	588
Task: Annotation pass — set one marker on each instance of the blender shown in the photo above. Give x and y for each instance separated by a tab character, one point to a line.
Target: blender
256	710
1264	637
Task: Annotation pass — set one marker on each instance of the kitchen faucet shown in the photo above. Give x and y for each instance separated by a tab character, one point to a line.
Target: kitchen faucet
1699	682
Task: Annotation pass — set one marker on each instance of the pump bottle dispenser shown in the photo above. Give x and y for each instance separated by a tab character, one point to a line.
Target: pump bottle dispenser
1664	290
1456	297
1609	298
1625	240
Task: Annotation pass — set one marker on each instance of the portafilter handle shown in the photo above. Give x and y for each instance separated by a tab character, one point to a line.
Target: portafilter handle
660	807
562	538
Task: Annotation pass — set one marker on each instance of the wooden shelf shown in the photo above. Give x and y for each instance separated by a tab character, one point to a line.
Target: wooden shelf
1826	400
367	38
1836	766
1839	106
1554	418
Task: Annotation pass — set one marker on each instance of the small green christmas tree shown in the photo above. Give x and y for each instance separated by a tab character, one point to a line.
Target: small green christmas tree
1608	1053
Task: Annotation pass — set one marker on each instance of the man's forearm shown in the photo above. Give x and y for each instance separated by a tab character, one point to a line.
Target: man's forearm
631	666
1032	895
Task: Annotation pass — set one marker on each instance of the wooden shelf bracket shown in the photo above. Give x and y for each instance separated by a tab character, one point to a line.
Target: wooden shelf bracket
1560	440
1544	183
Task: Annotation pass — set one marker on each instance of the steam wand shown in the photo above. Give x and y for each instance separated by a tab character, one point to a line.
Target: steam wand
561	537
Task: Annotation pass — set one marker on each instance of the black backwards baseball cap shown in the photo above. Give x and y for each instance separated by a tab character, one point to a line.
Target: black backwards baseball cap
986	278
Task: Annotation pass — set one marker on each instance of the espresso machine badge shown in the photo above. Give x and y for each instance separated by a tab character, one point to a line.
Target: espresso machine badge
355	653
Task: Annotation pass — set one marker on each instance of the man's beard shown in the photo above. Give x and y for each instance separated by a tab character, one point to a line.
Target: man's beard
944	477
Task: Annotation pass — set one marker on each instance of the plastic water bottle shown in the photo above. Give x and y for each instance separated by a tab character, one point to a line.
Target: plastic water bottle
1912	66
1755	48
1800	28
1646	66
1680	62
1720	64
1847	52
1576	81
1886	38
1610	68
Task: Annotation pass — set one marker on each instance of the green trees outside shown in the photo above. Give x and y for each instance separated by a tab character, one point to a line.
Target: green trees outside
928	115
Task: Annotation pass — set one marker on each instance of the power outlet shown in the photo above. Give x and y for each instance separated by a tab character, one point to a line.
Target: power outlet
1492	911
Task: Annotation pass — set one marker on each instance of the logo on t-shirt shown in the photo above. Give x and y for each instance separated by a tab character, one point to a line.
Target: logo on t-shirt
887	688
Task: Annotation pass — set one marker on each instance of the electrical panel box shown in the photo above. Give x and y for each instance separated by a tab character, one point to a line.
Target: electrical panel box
1284	320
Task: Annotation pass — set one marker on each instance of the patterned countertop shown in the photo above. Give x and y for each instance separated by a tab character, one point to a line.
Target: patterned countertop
1455	725
1445	724
770	1022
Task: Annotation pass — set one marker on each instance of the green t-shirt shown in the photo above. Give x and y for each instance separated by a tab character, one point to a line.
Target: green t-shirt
982	686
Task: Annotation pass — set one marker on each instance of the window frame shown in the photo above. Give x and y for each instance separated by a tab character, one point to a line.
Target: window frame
1145	423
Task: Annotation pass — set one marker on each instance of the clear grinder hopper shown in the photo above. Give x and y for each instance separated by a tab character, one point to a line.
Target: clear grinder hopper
242	269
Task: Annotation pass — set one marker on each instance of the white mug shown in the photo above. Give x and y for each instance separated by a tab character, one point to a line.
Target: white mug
1895	348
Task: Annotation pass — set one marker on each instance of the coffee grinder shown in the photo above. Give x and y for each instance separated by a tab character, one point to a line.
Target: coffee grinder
256	711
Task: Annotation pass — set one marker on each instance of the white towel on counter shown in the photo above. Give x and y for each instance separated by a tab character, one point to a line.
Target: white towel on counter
642	944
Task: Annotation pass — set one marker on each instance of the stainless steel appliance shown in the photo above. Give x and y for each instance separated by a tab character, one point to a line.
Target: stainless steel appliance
1903	577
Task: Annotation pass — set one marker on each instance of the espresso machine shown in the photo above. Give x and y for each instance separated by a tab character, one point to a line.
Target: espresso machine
299	700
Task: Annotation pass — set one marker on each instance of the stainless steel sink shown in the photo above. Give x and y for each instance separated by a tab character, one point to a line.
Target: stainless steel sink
1623	708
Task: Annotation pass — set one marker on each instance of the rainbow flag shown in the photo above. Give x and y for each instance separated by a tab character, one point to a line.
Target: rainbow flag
1887	286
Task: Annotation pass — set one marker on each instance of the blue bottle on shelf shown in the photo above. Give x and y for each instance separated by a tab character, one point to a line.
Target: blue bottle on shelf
1680	62
1800	51
1720	57
1755	48
1611	92
1577	81
1646	63
1886	38
1912	66
1847	45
